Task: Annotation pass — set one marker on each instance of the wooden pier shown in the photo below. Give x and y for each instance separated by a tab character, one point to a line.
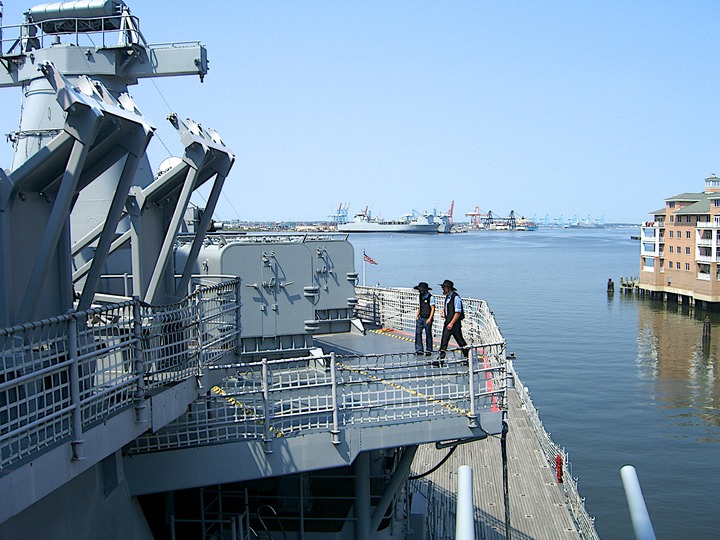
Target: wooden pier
539	507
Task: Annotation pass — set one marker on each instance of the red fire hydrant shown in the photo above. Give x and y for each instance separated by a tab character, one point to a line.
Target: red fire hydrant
559	468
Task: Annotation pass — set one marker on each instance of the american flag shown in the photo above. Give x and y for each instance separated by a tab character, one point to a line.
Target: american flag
368	259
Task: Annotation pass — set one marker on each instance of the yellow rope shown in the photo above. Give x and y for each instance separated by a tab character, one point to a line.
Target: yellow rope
247	410
410	391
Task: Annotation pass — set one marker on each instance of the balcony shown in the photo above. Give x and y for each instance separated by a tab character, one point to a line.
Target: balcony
704	225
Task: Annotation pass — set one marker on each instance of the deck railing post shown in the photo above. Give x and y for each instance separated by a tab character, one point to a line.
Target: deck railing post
472	417
267	440
138	363
200	330
333	381
77	439
238	321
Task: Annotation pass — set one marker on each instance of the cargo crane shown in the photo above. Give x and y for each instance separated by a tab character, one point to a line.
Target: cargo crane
476	218
340	216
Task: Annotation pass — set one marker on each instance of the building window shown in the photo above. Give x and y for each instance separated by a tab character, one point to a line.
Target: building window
687	234
677	265
671	234
687	219
716	202
687	266
687	251
671	204
671	249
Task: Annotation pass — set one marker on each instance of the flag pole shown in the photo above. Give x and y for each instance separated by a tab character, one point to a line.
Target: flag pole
363	267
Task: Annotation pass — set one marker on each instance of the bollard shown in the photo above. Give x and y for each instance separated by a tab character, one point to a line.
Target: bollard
610	286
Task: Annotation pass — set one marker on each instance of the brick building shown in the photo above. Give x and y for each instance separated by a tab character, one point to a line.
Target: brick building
680	248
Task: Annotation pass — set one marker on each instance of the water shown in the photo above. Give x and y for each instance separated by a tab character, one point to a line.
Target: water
617	379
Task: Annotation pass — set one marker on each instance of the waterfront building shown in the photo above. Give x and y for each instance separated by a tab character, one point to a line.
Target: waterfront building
680	248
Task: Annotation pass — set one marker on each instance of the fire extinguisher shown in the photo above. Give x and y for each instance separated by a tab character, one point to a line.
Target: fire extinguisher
559	468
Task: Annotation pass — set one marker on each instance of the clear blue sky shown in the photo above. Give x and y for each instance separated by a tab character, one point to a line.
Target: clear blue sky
600	108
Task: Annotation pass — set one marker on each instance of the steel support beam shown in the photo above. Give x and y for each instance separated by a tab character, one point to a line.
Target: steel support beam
391	490
166	251
57	221
361	469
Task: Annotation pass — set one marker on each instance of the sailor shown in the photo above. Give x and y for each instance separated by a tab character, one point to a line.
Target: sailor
453	314
424	319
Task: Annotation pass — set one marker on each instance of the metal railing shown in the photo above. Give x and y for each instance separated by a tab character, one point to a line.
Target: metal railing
91	31
279	398
62	375
268	399
396	308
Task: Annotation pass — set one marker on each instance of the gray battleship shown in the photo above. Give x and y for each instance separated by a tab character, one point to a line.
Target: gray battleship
158	380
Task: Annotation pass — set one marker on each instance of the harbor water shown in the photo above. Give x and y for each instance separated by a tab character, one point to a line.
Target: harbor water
617	379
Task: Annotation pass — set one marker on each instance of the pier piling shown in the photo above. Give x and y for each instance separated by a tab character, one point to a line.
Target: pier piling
706	332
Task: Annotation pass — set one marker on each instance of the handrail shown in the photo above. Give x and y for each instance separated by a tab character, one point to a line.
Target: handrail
62	374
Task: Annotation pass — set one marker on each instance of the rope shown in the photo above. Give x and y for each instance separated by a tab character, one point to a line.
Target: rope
247	410
410	391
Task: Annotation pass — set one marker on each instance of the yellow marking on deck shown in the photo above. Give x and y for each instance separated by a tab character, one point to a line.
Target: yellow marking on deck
389	332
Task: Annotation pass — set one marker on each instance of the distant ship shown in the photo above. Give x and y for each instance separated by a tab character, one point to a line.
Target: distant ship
586	223
364	223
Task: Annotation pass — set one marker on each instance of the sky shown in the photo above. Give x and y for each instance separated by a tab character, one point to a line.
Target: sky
588	109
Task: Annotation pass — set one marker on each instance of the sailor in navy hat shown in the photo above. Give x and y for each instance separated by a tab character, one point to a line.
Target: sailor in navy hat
424	319
453	314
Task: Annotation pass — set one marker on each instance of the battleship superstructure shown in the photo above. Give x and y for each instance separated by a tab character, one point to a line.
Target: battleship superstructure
157	380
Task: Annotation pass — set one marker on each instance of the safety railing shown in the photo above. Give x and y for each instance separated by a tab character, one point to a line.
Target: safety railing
279	398
276	398
396	308
89	31
60	376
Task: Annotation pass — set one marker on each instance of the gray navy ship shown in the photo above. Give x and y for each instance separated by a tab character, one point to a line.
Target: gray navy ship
159	380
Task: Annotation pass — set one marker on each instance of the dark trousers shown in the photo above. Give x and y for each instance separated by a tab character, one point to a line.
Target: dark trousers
456	332
421	326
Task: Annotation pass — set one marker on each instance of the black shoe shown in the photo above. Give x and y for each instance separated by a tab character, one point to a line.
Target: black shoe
438	363
442	355
428	353
419	353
